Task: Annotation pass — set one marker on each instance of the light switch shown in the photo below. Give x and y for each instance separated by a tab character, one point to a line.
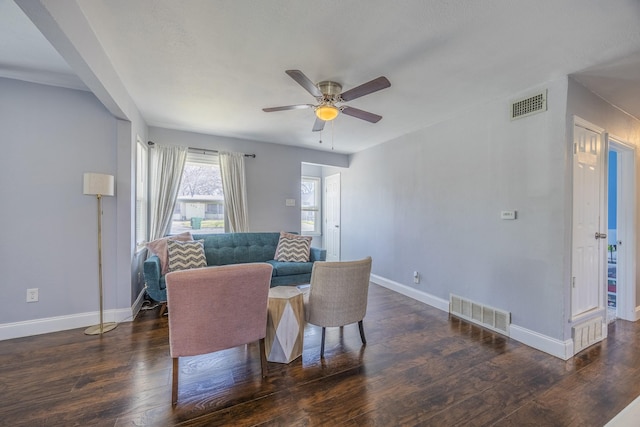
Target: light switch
508	215
290	202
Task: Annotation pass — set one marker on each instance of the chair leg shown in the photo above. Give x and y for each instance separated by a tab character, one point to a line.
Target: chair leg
361	327
322	343
263	359
174	382
163	308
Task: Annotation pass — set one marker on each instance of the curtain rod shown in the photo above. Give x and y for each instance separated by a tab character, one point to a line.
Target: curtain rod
204	150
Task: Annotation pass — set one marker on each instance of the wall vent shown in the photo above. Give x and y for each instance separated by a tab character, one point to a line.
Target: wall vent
587	334
483	315
530	105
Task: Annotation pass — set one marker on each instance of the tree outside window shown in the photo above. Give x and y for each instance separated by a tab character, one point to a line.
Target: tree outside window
200	202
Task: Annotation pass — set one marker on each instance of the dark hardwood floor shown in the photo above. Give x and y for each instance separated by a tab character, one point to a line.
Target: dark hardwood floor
420	367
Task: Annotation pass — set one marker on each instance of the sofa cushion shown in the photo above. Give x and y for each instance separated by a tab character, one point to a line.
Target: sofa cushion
285	268
186	255
159	247
293	248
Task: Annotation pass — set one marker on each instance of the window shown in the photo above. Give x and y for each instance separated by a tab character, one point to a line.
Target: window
310	205
200	202
142	163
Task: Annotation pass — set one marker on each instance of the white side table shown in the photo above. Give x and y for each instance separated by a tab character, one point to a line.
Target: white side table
285	324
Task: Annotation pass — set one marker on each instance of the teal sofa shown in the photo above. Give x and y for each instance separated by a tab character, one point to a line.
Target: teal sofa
238	248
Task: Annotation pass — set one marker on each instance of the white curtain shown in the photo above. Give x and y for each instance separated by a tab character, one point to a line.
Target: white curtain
167	163
235	191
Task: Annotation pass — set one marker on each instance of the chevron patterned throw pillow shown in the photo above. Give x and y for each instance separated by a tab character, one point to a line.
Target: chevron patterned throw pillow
293	248
159	247
186	255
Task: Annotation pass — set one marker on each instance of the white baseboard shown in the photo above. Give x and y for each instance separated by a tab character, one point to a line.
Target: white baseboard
424	297
62	323
552	346
632	315
137	304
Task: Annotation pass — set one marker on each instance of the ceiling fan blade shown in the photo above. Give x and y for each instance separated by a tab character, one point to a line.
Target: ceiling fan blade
366	88
318	125
304	81
287	107
361	114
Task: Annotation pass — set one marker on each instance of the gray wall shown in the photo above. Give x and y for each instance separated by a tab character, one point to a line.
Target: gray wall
273	176
50	137
427	201
430	201
64	24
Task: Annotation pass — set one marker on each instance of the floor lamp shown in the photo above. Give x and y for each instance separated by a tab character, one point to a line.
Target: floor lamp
97	184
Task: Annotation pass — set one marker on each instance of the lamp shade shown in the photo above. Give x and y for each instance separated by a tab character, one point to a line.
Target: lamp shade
98	184
327	112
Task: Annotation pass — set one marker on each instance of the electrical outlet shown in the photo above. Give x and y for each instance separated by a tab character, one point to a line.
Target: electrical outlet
32	295
416	277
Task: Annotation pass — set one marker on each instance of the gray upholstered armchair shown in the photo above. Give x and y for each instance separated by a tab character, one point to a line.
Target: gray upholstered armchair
217	308
338	295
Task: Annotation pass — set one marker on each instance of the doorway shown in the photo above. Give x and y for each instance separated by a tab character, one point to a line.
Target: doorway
612	238
332	216
620	241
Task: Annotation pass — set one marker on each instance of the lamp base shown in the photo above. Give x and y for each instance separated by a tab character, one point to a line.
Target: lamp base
95	329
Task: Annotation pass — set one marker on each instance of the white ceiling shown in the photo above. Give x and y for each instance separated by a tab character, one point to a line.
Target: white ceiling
26	55
211	66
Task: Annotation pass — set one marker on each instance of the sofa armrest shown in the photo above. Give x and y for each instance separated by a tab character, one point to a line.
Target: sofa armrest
151	268
317	254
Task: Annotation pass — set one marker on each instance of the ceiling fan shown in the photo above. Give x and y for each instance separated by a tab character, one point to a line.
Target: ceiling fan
328	94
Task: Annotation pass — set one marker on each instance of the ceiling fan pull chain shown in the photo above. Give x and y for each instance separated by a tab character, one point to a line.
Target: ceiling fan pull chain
332	124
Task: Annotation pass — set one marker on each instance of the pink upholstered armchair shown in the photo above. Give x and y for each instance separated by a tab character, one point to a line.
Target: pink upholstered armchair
216	308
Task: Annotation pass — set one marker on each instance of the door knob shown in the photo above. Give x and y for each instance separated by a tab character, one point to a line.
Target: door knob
600	235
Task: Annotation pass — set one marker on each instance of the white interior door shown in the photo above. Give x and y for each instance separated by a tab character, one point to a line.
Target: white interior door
589	229
332	216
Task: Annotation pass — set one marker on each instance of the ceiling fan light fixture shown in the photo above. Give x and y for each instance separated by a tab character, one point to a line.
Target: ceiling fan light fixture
327	112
